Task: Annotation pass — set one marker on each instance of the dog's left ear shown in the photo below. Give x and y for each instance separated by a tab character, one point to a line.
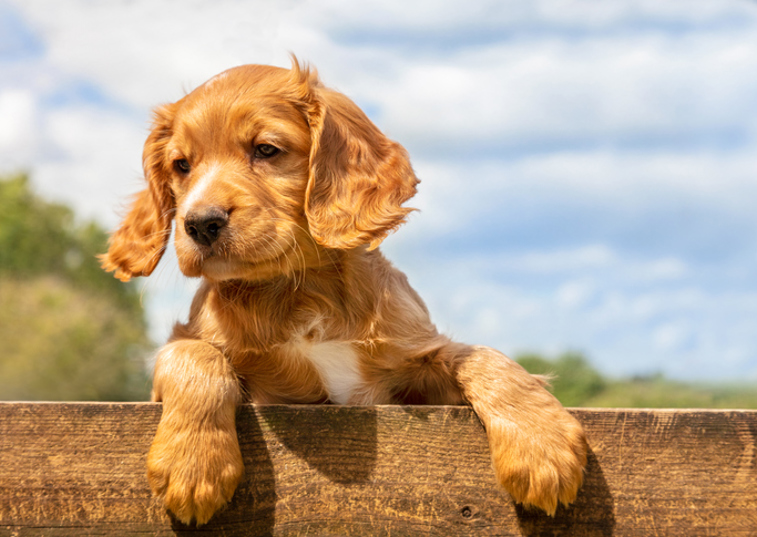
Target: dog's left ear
358	180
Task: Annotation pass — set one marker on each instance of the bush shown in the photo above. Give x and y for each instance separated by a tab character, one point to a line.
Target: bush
64	343
576	383
573	380
69	331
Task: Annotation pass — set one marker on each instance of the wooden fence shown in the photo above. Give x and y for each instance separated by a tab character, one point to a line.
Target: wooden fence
79	469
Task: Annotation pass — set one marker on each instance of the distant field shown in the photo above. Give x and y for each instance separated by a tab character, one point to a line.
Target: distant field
576	383
661	393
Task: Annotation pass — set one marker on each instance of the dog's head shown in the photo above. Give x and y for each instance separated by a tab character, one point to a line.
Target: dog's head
261	168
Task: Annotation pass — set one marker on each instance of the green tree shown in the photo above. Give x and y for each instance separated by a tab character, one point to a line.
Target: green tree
573	380
68	330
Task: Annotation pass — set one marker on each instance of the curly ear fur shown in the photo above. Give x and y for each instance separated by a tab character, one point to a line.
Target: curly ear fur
359	179
138	244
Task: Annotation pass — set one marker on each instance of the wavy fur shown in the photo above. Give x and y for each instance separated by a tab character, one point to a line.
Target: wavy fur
297	304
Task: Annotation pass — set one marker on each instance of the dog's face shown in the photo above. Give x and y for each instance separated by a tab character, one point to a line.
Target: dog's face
262	168
237	164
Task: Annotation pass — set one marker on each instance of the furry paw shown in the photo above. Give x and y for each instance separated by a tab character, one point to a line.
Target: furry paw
194	469
539	460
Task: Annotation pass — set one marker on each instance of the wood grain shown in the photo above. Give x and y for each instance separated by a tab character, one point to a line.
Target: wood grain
78	469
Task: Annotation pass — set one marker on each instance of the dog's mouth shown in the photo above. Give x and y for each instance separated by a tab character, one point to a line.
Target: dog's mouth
250	255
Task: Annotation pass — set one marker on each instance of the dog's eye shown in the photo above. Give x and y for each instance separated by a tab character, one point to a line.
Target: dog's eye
181	165
265	150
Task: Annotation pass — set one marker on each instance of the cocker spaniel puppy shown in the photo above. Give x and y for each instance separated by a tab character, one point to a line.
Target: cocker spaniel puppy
281	191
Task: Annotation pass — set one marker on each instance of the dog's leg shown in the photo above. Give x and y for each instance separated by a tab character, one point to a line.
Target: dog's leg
538	449
195	463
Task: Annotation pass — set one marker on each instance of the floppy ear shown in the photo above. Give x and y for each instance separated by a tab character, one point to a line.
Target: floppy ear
358	180
138	244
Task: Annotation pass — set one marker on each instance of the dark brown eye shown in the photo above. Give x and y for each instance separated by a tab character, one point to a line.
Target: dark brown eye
265	150
181	165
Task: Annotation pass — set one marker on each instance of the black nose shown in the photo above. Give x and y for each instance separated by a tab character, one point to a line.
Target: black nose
205	224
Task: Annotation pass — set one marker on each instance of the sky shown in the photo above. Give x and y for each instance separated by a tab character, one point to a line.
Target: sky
589	169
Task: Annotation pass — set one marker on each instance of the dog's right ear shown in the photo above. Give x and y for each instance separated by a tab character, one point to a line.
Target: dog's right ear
138	244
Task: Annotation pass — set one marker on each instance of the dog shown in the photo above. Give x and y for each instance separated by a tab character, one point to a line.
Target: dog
281	191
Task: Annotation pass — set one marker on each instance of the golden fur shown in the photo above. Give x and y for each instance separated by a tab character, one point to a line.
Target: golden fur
281	190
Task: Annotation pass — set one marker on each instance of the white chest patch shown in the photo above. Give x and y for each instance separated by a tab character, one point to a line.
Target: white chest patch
337	364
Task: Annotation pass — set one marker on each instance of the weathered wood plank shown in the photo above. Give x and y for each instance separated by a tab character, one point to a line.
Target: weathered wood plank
78	469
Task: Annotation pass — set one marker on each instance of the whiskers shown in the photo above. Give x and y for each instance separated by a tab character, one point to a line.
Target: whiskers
300	269
169	213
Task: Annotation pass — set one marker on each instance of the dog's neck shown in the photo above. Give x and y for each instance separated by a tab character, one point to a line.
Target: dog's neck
328	269
262	314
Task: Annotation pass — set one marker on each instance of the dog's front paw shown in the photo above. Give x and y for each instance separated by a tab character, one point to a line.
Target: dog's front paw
194	469
539	458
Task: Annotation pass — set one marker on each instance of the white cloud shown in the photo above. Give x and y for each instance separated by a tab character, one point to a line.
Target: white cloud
454	193
631	178
18	127
669	337
511	92
591	257
580	270
519	90
92	160
574	294
143	53
433	16
606	90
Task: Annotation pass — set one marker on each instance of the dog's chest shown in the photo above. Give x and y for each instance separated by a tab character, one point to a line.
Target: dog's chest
337	364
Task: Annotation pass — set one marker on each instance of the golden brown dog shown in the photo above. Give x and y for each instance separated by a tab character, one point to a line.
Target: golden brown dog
281	190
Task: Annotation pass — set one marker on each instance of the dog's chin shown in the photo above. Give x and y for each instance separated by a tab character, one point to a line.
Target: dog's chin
222	269
215	266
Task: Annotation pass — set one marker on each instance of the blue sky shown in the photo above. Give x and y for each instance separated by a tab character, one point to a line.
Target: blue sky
589	169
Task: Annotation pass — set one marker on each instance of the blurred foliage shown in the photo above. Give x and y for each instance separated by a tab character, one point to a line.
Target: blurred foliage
573	380
576	383
68	330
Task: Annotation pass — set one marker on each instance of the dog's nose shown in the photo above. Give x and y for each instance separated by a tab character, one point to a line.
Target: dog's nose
204	224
